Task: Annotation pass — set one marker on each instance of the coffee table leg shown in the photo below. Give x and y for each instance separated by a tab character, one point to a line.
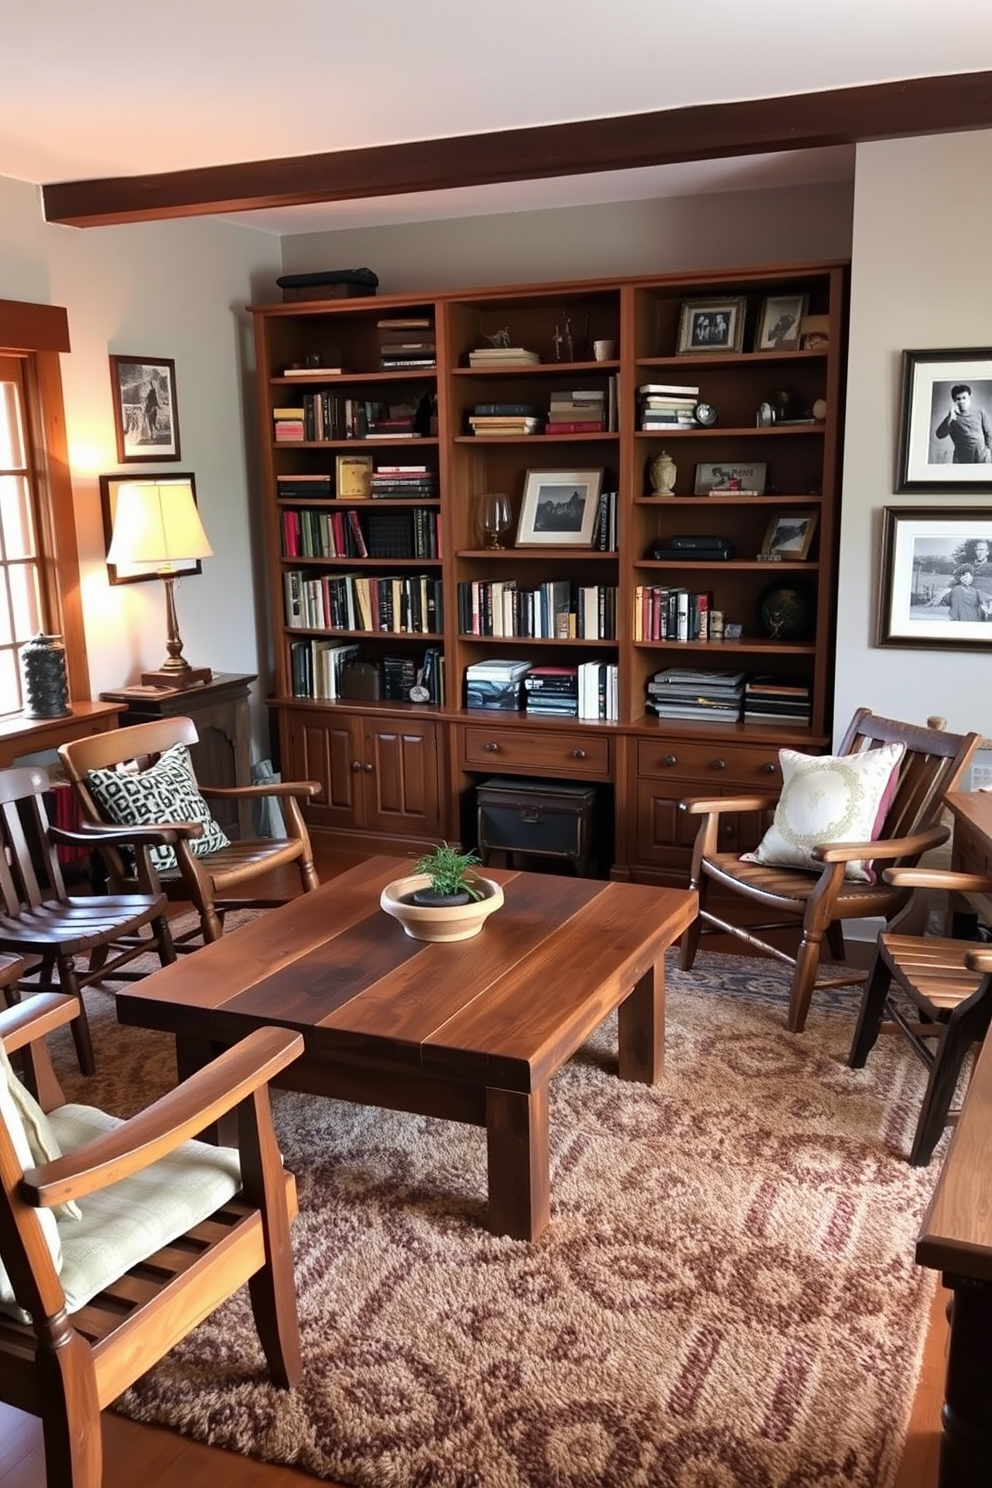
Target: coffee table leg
642	1029
519	1162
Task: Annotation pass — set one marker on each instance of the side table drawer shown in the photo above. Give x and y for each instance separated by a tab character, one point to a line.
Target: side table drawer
521	751
746	765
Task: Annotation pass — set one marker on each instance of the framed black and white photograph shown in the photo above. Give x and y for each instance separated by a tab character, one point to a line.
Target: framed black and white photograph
559	508
936	578
945	433
780	322
712	325
730	480
789	536
145	415
137	573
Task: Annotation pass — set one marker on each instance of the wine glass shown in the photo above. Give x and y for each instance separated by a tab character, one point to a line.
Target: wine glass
495	518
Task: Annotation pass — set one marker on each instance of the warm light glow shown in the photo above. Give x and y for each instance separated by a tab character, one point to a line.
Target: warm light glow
157	522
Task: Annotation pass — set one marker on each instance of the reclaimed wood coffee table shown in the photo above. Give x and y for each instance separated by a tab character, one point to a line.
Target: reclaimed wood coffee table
470	1031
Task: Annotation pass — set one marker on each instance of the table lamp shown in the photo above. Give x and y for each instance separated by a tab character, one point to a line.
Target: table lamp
156	523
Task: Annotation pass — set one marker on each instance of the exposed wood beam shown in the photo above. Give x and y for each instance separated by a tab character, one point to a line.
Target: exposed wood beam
934	105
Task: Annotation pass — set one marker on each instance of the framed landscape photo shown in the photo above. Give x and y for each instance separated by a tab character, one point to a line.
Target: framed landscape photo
559	508
780	322
711	325
730	480
936	588
120	573
789	535
945	431
145	415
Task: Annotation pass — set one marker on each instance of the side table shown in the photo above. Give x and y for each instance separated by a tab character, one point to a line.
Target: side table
219	708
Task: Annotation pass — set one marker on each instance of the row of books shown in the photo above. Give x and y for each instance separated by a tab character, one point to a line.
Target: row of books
664	612
571	411
317	533
667	405
410	604
554	610
406	341
358	478
682	692
325	415
403	673
589	690
316	666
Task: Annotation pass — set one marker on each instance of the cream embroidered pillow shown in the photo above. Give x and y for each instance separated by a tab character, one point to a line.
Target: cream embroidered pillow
829	798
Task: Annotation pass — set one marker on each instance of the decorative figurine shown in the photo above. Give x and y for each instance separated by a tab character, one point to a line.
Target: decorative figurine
662	472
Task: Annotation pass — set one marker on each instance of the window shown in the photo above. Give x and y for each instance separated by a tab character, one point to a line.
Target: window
39	567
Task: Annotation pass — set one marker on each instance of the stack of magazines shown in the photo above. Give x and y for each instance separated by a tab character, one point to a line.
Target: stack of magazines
681	692
777	700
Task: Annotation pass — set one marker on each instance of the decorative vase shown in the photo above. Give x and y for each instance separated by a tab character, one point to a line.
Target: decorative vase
662	472
43	673
438	922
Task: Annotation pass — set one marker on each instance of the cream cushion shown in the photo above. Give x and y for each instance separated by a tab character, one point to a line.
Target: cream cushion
11	1118
829	798
165	792
42	1142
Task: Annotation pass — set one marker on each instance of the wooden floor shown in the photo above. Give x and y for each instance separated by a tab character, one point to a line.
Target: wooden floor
155	1458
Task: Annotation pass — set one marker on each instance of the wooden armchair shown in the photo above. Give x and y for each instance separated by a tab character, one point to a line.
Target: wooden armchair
83	1313
40	920
213	873
815	902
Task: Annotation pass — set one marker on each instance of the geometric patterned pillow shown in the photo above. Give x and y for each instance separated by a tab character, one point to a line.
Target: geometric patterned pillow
829	798
165	792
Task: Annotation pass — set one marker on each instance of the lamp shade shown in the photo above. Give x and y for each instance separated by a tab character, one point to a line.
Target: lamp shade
156	522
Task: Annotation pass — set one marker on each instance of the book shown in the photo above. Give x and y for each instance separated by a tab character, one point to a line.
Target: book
579	426
313	371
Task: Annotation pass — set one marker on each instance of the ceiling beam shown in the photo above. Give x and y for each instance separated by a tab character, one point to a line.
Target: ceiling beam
916	106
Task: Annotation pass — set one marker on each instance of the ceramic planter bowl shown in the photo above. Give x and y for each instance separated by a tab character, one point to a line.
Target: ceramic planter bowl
433	922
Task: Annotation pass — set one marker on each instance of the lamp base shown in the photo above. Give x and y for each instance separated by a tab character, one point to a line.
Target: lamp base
179	681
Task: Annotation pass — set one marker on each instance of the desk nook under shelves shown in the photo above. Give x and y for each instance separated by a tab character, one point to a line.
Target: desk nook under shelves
664	560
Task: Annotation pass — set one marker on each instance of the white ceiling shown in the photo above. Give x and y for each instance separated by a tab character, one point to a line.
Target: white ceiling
103	88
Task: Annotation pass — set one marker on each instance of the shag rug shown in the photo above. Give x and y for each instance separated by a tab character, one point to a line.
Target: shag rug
726	1296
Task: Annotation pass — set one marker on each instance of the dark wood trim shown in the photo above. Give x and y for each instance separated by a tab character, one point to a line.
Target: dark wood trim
28	327
915	106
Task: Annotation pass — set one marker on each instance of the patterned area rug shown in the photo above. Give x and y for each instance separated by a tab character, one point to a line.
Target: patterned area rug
725	1298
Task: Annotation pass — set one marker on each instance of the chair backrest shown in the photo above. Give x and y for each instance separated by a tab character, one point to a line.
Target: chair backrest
140	743
29	868
934	763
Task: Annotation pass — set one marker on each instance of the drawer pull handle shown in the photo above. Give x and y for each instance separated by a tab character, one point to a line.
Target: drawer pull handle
718	764
491	747
769	767
670	759
578	754
356	764
369	769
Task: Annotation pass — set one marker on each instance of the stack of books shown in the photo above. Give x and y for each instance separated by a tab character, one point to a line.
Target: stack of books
552	691
664	405
680	692
504	418
390	481
502	356
580	412
777	700
496	683
288	424
406	341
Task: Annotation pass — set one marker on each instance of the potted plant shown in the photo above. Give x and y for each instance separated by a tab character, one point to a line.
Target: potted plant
444	898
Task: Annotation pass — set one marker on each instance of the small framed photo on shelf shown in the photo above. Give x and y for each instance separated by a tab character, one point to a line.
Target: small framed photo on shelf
945	435
146	420
137	573
780	322
711	325
936	590
789	536
559	508
353	477
730	480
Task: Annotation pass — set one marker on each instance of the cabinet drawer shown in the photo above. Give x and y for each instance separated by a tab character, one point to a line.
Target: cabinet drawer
747	765
525	752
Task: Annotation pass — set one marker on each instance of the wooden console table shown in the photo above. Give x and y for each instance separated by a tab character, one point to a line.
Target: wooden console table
20	736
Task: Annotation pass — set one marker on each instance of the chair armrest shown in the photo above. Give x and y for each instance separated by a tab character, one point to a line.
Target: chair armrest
167	1123
979	960
37	1016
939	878
885	847
303	789
94	834
712	806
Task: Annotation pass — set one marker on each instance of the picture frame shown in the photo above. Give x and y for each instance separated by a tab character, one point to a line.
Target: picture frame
789	536
931	455
730	480
138	574
353	477
925	602
146	418
780	321
559	508
711	325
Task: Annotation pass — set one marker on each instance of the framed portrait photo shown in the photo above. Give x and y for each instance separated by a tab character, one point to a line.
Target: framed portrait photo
711	325
730	480
789	535
936	589
559	508
145	415
780	322
945	432
137	573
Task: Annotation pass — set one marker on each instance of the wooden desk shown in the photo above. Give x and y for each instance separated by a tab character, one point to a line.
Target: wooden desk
20	736
971	852
469	1031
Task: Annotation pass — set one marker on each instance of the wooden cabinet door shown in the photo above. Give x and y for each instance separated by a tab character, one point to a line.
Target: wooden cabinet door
400	778
323	748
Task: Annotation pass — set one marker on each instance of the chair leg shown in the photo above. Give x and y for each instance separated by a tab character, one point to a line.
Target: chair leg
871	1012
803	981
958	1036
689	944
71	1416
69	983
163	936
835	940
308	875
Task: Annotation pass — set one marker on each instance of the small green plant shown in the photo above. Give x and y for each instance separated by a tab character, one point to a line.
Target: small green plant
450	872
